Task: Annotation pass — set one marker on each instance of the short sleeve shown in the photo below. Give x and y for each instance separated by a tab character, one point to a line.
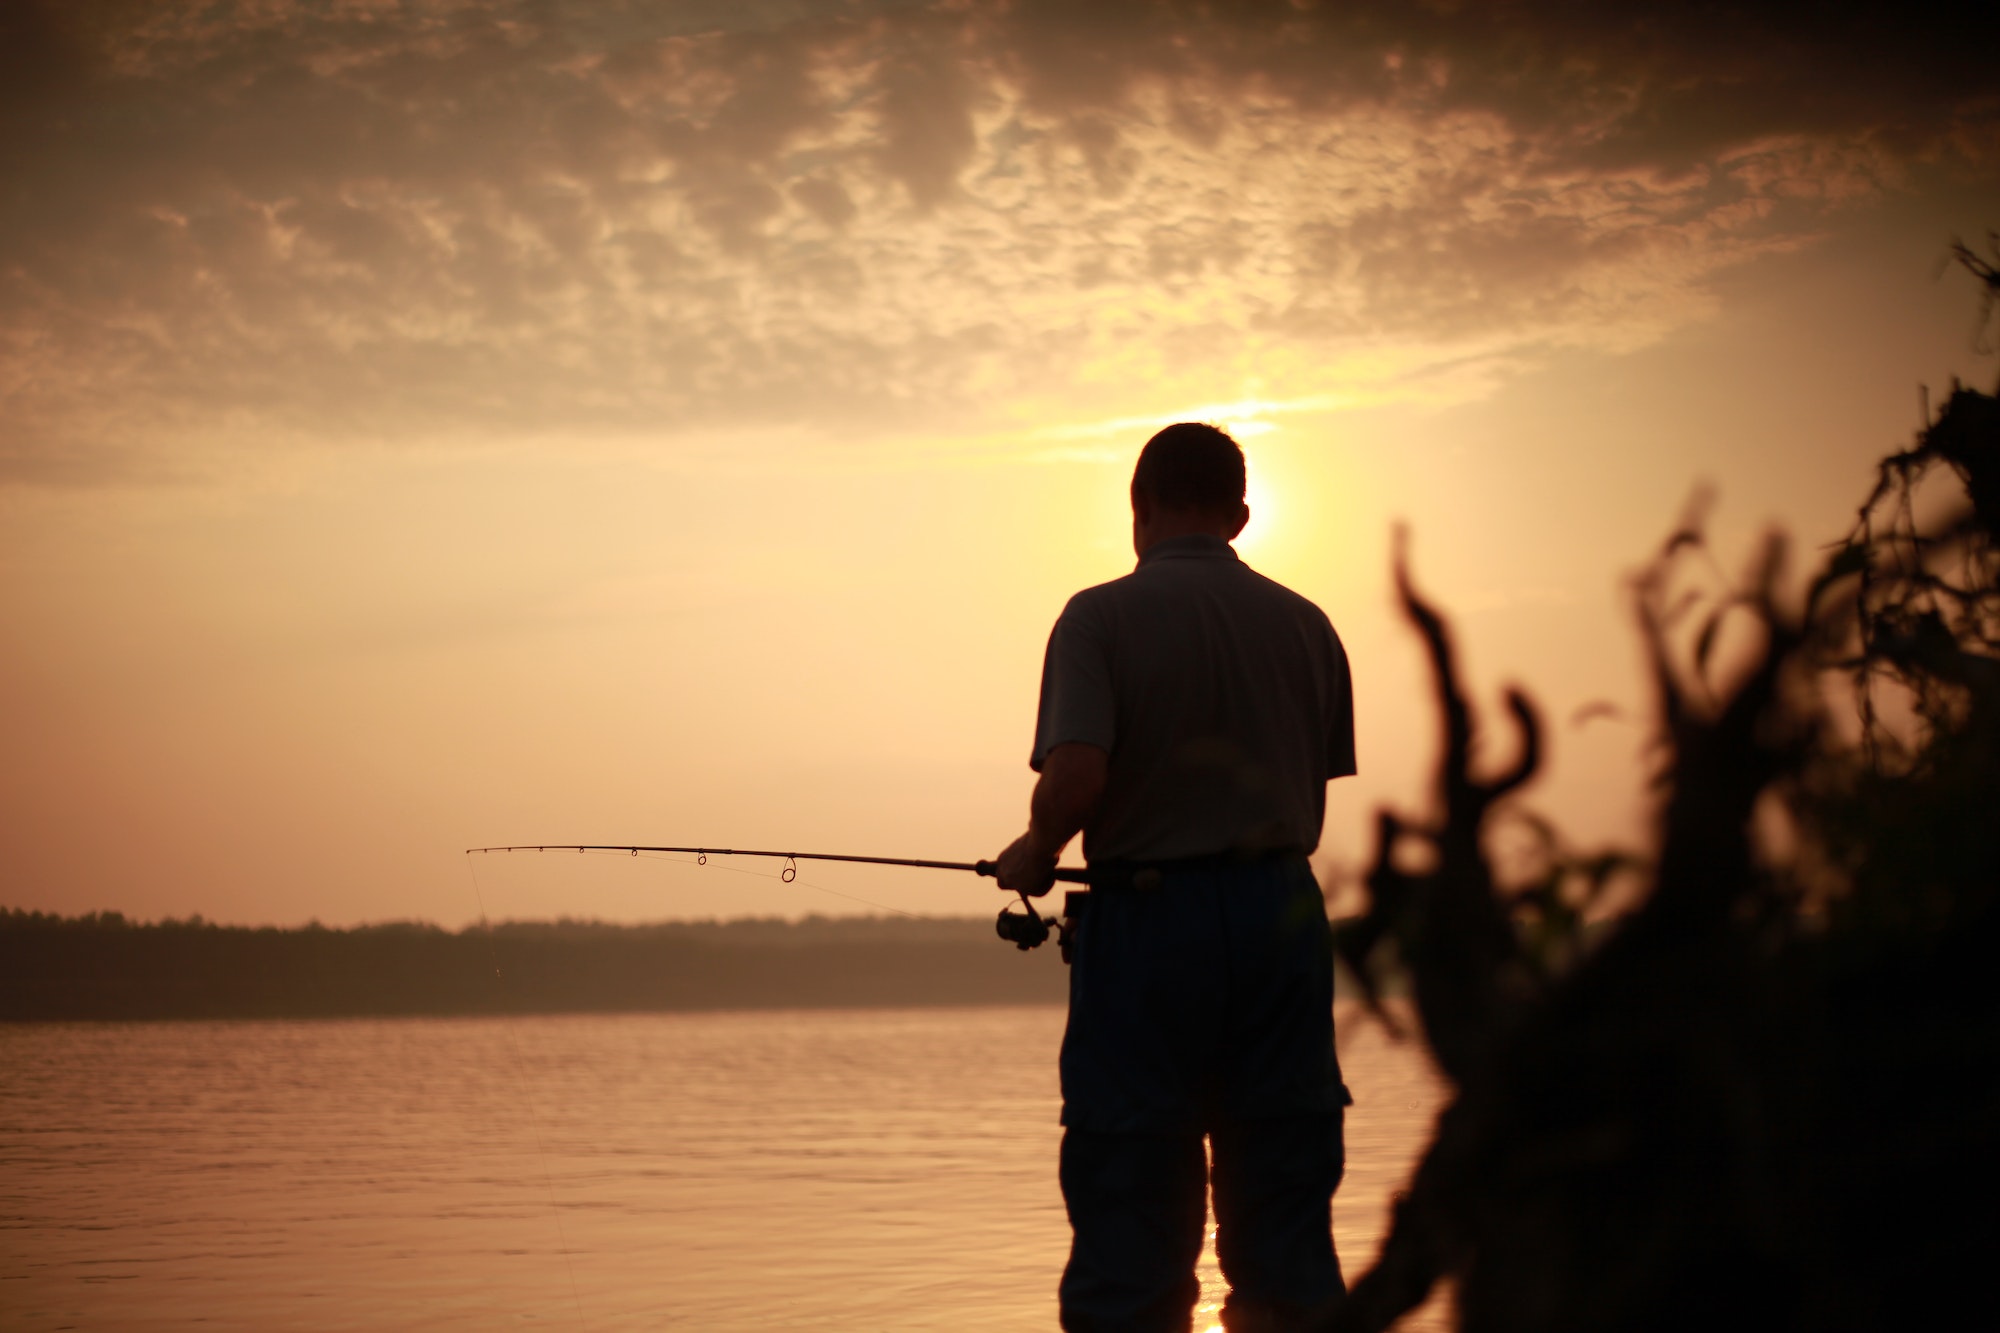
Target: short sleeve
1340	758
1076	701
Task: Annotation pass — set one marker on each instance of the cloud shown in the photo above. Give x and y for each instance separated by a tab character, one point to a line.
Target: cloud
1669	88
260	225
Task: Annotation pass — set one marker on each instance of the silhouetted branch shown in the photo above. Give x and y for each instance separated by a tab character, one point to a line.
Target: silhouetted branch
1988	274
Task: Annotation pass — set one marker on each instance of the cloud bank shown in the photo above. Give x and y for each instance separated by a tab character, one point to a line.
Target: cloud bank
267	223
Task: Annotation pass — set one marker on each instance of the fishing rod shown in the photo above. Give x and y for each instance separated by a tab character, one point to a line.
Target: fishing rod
1022	931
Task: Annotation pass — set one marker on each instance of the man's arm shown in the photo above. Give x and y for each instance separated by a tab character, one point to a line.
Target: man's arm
1066	796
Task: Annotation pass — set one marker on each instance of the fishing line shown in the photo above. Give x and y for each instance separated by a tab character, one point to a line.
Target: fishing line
788	875
528	1095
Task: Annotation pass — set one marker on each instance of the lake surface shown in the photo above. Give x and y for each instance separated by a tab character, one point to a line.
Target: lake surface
846	1170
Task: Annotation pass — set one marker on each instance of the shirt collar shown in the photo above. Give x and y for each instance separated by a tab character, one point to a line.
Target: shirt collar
1194	546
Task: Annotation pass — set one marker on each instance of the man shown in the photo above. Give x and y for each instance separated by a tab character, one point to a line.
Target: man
1191	715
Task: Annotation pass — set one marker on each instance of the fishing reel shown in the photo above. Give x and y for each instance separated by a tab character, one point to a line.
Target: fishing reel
1028	929
1025	930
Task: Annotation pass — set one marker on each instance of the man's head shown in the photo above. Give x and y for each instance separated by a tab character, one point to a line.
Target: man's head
1189	480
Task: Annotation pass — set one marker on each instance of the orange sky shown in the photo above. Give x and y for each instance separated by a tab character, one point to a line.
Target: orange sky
438	424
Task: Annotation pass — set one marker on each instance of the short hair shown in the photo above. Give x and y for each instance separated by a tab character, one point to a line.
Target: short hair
1191	465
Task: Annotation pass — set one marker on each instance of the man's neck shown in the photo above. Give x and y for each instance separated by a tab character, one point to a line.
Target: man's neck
1167	526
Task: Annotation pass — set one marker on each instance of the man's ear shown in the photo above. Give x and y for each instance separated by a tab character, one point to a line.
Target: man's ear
1242	521
1142	505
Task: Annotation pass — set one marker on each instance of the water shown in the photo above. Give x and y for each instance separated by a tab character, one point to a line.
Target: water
863	1170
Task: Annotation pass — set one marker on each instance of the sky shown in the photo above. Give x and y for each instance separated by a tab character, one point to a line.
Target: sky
430	425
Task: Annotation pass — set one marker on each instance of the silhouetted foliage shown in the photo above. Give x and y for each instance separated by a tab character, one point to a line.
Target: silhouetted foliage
1988	273
103	967
1769	1096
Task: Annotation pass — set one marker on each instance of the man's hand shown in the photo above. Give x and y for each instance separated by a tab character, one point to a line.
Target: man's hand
1025	867
1071	785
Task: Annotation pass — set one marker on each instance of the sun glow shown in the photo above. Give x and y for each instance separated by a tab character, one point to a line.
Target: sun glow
1262	530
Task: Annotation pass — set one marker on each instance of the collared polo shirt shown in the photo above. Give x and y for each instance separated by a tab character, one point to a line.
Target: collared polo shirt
1222	697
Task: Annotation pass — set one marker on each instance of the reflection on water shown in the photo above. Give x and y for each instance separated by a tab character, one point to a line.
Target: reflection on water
858	1170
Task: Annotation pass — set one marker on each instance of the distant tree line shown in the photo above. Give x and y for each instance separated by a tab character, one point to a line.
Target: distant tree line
102	966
